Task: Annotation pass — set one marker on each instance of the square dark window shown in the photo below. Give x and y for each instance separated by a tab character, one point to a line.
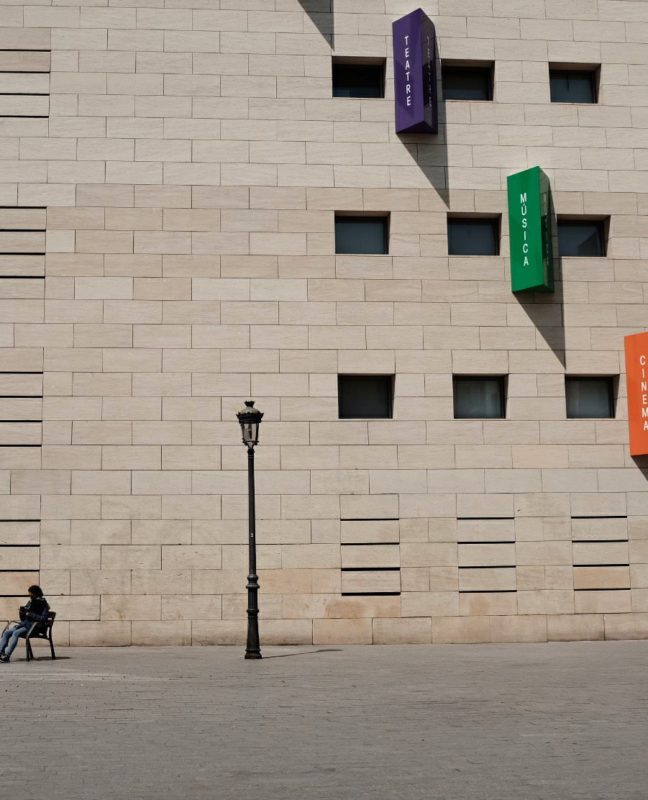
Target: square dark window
361	235
473	236
584	238
573	85
358	78
365	396
479	396
465	82
589	398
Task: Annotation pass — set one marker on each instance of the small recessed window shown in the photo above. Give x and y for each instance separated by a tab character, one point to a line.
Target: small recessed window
590	398
356	78
473	236
467	82
479	396
583	238
361	235
573	85
365	396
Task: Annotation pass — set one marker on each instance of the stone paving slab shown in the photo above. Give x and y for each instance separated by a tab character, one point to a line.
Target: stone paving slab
485	722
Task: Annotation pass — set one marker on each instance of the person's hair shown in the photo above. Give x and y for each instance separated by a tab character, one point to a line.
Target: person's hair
35	590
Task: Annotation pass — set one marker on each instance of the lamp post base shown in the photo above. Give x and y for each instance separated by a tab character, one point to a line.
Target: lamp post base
253	655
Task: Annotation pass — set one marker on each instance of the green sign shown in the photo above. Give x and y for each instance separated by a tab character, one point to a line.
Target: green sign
530	231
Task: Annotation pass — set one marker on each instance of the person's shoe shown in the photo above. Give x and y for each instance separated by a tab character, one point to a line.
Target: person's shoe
5	659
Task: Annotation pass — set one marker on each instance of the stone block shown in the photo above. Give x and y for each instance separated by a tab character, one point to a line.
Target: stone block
104	633
371	580
460	630
156	633
402	631
519	629
626	626
603	602
223	632
575	627
342	631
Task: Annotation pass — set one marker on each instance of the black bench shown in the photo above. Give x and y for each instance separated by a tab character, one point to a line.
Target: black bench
41	630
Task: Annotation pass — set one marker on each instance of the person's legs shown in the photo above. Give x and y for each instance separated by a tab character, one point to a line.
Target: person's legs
5	638
13	641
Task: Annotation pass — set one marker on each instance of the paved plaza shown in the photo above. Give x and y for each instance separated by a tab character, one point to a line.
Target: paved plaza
489	722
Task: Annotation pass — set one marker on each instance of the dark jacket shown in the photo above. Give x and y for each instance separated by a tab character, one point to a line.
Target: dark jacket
36	610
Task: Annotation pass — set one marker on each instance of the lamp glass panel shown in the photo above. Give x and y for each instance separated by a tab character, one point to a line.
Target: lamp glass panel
250	432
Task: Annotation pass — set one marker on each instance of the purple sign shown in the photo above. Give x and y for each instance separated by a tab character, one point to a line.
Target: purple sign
415	74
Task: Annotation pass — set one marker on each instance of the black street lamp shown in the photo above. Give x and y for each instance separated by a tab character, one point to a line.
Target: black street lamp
250	419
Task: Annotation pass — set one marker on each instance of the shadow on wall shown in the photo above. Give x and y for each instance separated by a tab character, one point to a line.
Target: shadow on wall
642	463
430	153
321	14
546	310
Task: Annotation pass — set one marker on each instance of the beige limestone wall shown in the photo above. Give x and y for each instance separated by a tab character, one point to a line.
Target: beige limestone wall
182	163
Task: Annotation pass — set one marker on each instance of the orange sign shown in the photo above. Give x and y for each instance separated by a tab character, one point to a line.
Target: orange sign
636	354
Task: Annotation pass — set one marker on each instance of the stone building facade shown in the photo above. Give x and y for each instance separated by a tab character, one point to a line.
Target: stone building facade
170	172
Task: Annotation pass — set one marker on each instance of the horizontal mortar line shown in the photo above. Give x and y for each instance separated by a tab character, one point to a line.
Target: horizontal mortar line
24	94
600	541
366	544
369	544
25	50
14	254
598	566
20	372
491	541
370	569
609	589
17	596
17	545
22	208
21	277
484	519
597	516
9	519
24	116
21	230
20	445
370	594
25	71
19	421
487	591
21	396
489	566
369	519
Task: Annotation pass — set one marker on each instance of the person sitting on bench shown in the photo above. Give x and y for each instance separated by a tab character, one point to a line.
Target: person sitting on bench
36	610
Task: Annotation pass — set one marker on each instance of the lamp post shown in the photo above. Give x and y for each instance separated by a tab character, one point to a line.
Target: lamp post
250	419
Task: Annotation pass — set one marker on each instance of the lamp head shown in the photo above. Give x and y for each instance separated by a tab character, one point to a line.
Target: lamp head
250	419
